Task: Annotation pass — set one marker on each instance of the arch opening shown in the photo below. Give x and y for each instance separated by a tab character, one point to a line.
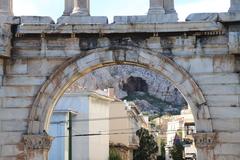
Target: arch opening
79	66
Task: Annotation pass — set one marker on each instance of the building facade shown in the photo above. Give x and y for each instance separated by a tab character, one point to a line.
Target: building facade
98	121
90	126
181	129
59	128
131	121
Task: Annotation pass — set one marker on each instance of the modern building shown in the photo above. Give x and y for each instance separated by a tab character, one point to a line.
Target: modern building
59	129
174	128
181	128
130	120
190	150
99	120
90	126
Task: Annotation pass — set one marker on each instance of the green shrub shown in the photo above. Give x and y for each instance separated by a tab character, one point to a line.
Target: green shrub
114	155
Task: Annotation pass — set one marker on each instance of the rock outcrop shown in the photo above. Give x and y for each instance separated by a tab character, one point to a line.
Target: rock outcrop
129	79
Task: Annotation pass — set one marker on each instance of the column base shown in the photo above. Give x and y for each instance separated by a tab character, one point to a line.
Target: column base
171	11
80	12
156	11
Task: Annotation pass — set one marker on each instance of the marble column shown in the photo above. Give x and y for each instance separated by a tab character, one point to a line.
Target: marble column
156	7
168	5
68	7
6	7
81	8
234	6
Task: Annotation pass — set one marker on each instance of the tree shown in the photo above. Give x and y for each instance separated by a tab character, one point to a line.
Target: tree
162	156
177	150
148	148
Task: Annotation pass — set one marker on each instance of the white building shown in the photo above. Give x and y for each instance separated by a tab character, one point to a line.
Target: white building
98	120
190	150
59	128
174	126
183	126
92	119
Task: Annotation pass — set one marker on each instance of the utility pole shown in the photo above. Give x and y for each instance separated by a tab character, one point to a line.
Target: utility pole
70	136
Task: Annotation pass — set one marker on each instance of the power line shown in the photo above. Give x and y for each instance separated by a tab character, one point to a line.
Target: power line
123	129
130	129
95	134
94	119
100	133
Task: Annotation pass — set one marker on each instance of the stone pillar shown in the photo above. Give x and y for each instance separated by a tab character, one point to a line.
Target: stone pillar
6	8
156	7
168	5
68	7
81	8
205	143
234	6
37	147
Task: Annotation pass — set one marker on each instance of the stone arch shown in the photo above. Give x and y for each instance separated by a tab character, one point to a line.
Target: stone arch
78	66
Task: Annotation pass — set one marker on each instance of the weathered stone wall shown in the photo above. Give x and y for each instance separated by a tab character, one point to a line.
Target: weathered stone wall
200	58
204	55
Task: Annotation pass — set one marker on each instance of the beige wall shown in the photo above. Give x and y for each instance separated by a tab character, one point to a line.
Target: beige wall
92	107
117	109
99	148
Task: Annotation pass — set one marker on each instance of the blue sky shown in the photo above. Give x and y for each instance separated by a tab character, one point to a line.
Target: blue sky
54	8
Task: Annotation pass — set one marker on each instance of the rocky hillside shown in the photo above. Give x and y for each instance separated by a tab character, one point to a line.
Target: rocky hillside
151	92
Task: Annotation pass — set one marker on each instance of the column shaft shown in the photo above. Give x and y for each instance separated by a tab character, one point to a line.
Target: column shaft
6	7
234	6
156	7
68	7
169	6
81	8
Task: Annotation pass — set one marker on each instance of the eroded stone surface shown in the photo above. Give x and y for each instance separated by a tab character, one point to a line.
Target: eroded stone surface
202	17
83	20
36	20
5	40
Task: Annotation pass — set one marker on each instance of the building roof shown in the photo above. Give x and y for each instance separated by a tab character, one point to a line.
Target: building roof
71	101
96	94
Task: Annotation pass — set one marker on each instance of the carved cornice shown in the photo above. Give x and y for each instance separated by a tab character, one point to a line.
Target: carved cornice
32	142
205	140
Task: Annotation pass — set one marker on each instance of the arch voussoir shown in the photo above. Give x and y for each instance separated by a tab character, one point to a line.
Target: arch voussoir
76	67
79	66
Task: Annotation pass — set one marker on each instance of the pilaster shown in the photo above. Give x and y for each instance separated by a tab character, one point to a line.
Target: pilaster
205	144
205	140
36	147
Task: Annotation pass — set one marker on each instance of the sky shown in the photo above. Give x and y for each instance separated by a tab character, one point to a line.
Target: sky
110	8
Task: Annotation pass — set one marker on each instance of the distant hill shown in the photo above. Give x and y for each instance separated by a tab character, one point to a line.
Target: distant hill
152	92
